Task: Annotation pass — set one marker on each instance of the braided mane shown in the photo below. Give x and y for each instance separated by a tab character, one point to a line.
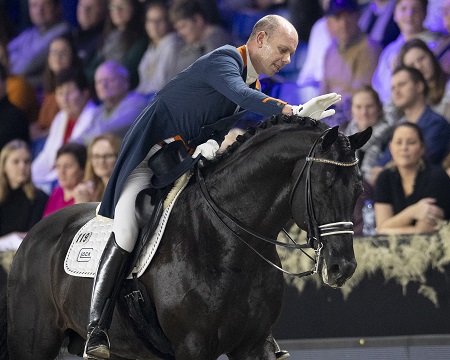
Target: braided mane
274	120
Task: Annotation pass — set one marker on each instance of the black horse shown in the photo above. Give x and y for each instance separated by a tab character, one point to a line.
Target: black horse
211	292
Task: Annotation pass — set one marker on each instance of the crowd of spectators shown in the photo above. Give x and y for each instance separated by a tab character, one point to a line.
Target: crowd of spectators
73	80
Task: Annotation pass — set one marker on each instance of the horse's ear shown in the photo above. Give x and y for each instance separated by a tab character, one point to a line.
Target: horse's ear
329	138
360	138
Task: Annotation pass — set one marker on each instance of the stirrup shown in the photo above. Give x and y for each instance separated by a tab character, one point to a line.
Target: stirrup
97	345
282	355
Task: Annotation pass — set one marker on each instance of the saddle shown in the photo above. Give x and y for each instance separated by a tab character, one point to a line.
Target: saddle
168	164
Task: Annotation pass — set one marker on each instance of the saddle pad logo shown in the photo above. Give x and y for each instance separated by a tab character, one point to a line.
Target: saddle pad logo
85	255
83	237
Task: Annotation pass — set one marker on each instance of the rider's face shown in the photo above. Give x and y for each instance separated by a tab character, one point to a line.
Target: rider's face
275	50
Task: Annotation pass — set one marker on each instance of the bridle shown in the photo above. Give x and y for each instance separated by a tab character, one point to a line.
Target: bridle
315	231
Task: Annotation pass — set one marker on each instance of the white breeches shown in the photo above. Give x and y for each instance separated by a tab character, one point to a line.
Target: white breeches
125	226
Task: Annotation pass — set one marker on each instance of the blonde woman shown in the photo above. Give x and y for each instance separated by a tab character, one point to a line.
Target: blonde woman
21	203
102	156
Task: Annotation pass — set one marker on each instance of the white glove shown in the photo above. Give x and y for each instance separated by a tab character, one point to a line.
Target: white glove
208	149
316	108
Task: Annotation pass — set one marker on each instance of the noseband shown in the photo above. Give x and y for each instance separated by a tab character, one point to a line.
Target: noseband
315	231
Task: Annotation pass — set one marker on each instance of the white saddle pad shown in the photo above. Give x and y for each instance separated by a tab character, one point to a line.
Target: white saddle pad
89	242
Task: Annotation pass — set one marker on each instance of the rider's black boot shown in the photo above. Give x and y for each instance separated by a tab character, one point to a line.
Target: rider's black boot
107	284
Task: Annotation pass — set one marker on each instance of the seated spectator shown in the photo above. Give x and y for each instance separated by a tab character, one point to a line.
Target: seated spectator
367	110
415	53
377	21
19	90
13	121
21	203
442	49
102	156
311	73
61	55
28	51
71	123
409	16
351	58
88	35
69	164
157	66
409	94
201	37
119	107
412	195
125	40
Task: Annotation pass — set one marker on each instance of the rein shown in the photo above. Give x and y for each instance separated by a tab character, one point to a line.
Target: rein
317	231
218	211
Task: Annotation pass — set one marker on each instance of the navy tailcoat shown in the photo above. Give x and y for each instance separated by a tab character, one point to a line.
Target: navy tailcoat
198	104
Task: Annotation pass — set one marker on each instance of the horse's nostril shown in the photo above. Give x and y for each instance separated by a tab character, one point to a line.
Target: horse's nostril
342	270
334	270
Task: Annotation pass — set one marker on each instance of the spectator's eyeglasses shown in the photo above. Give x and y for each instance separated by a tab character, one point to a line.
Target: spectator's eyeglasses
106	157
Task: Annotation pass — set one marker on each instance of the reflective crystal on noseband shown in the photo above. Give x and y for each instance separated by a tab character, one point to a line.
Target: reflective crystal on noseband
332	162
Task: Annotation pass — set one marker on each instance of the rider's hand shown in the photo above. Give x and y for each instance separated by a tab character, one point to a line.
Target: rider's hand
208	149
316	108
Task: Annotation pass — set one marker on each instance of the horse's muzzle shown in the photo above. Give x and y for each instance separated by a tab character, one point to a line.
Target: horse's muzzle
338	272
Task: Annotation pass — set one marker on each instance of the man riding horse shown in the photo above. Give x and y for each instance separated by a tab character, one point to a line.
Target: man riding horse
199	106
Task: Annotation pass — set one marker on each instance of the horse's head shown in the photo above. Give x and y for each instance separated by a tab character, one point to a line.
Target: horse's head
296	161
325	188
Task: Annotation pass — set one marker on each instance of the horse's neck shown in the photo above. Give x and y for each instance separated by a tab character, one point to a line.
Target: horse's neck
255	188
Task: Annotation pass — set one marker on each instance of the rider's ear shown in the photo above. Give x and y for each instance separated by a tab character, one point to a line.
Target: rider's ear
360	138
329	138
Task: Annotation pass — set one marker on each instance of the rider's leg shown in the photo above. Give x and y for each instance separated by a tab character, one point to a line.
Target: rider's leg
113	264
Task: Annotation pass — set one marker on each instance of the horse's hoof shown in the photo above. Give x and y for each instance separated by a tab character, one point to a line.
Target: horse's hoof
282	354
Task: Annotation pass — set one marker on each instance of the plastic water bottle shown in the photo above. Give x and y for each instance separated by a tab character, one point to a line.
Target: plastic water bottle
368	213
